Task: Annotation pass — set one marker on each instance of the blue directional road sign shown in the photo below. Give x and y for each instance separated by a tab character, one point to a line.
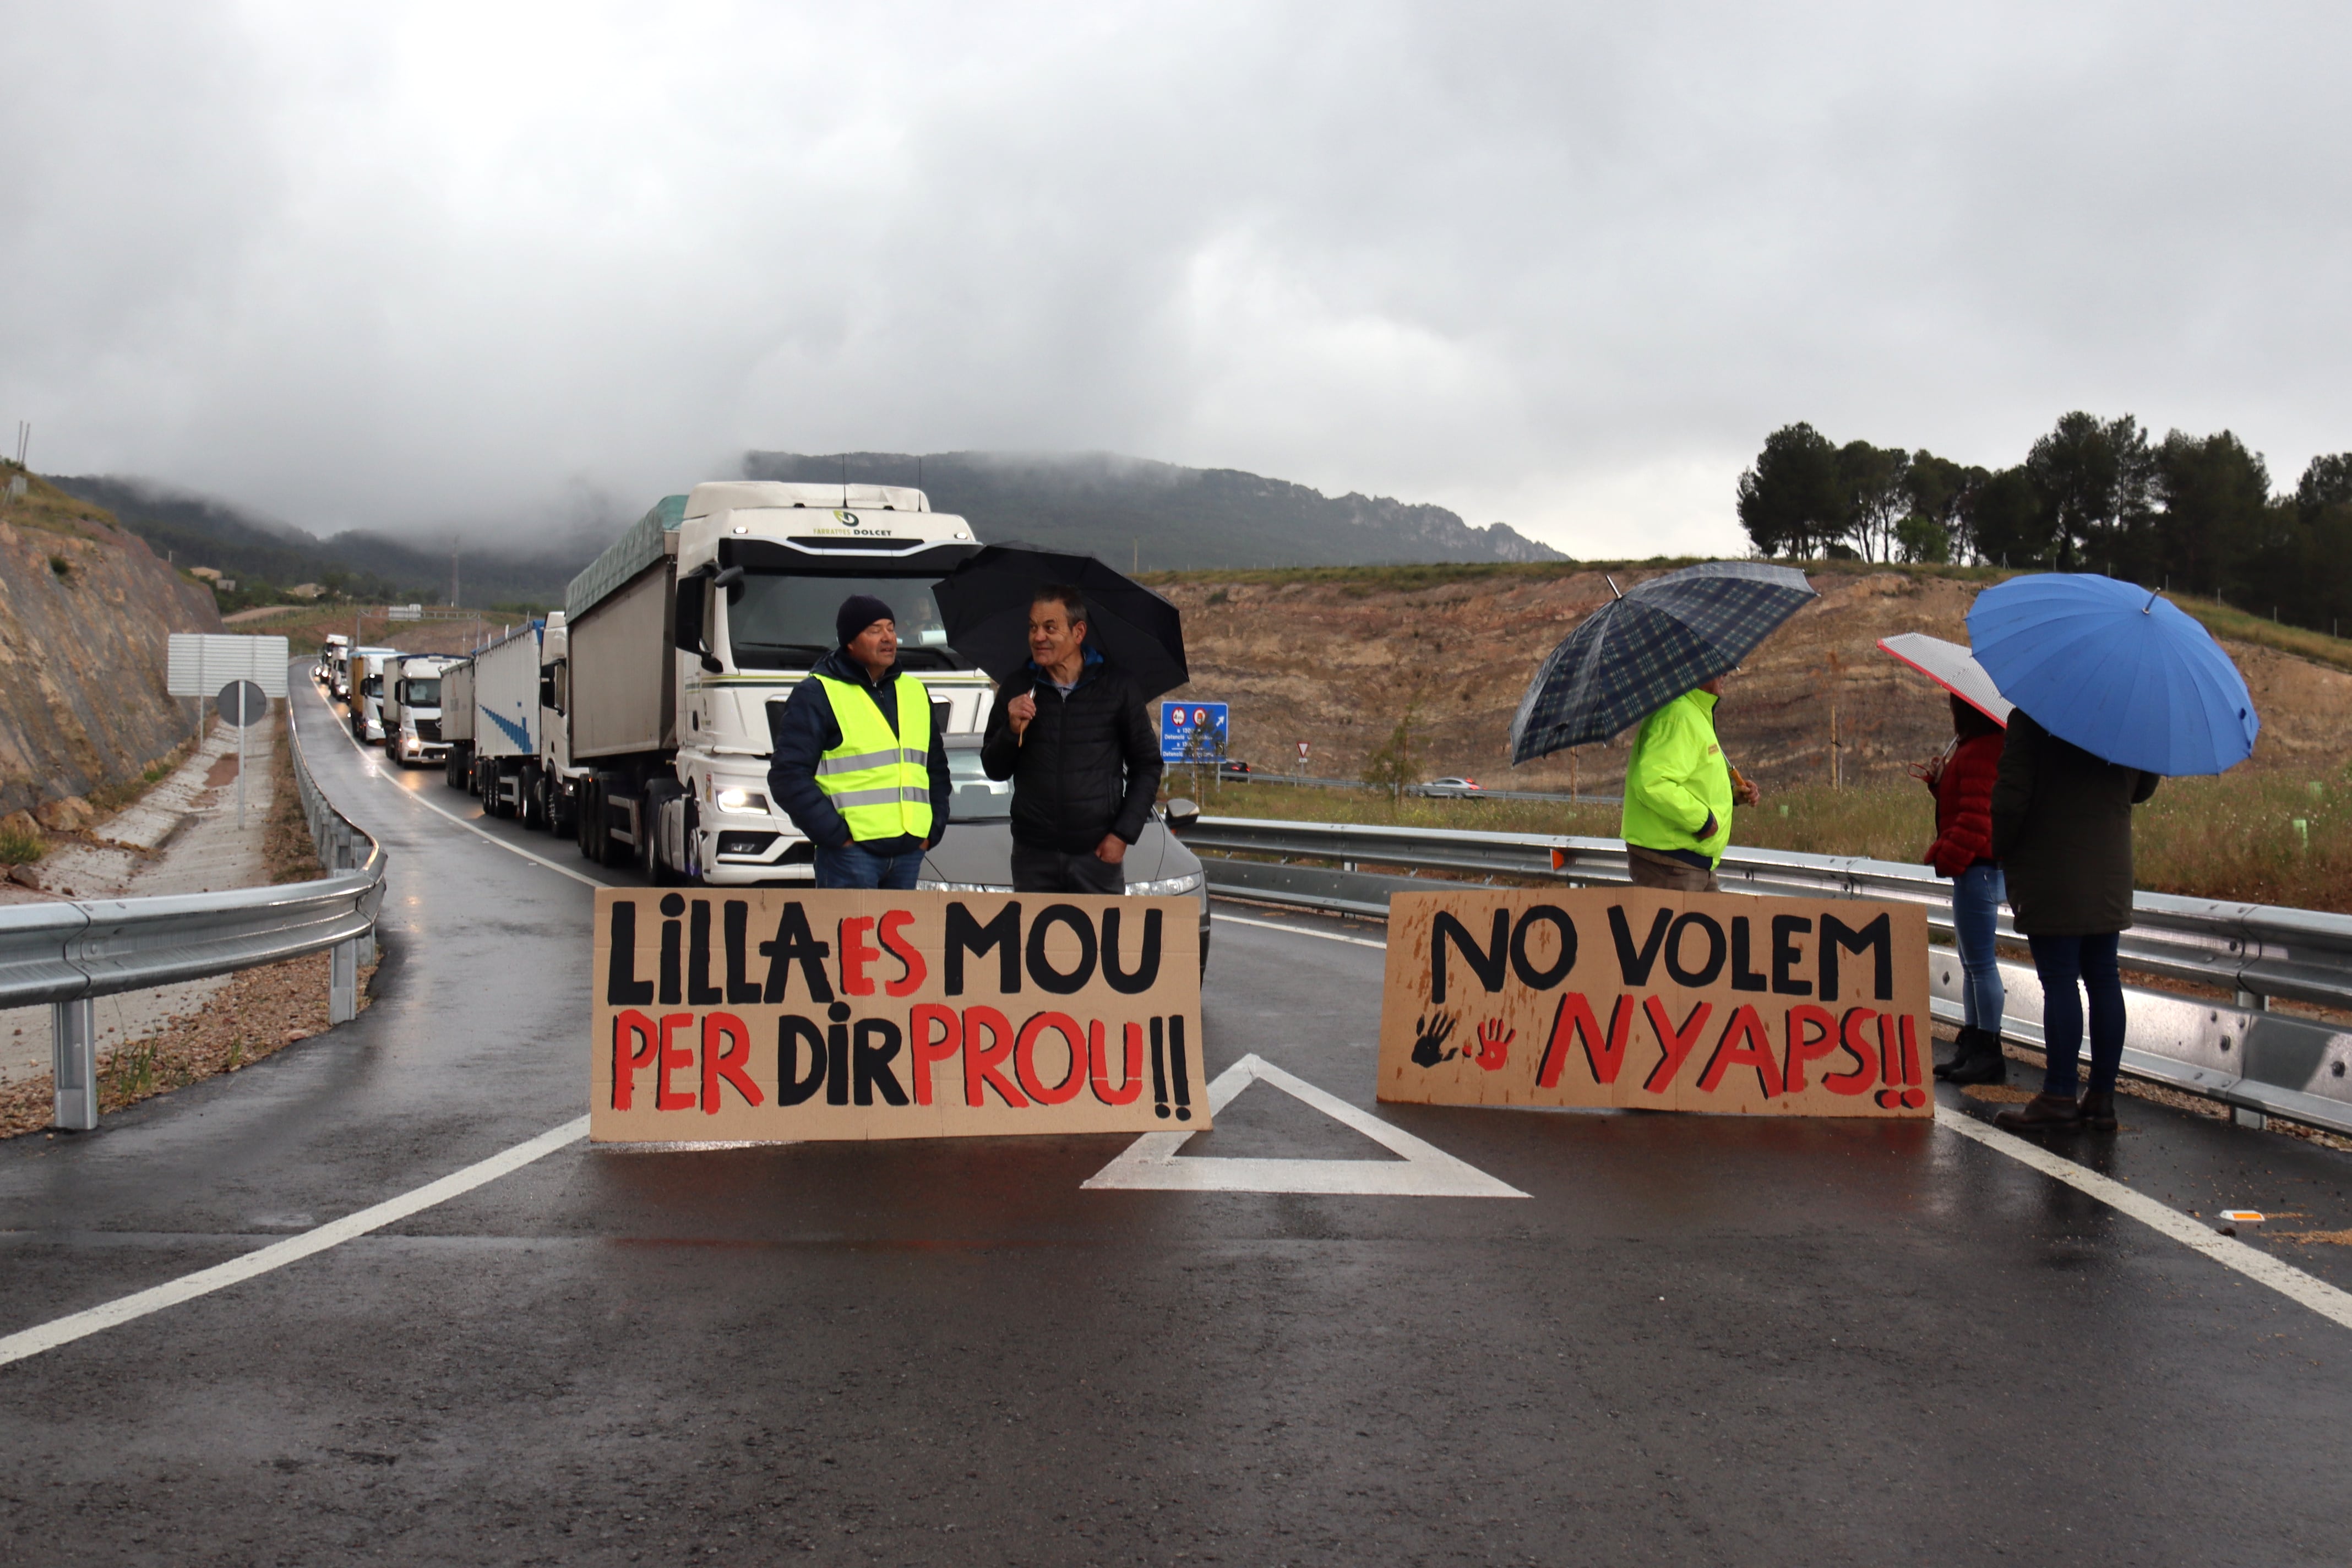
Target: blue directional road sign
1193	732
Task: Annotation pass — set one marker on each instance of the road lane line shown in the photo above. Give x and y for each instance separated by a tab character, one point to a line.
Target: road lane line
2229	1252
375	772
277	1255
1298	930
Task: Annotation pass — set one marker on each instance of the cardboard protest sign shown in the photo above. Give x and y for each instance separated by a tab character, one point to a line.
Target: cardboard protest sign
769	1014
1629	996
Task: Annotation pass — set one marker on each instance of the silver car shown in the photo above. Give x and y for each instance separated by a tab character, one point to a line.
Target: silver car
976	855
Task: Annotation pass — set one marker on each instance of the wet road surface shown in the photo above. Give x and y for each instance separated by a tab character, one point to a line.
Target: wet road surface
1696	1340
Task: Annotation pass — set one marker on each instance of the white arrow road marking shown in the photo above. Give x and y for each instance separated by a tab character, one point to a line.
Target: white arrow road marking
1424	1172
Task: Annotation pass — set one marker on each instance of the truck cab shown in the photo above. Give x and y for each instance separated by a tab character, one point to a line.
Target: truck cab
369	668
669	768
412	709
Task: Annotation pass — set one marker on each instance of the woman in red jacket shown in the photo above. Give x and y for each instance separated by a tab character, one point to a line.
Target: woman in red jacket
1962	780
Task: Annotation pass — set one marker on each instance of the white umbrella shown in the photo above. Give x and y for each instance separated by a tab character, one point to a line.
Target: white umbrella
1954	669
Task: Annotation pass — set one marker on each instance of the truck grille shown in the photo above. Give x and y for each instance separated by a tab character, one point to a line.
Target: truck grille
429	730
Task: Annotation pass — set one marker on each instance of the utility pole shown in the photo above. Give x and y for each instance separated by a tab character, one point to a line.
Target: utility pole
453	572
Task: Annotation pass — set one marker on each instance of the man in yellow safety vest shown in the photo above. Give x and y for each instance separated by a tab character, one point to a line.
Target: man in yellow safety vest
857	760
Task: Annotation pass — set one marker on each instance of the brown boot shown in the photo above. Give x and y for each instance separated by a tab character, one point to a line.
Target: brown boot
2098	1109
2043	1113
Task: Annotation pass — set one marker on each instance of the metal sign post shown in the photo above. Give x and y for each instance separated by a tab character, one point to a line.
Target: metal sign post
241	704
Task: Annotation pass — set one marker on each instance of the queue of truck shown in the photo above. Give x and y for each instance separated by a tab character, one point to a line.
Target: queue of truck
634	719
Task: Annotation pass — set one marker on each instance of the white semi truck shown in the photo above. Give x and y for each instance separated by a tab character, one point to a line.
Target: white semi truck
494	747
411	705
673	643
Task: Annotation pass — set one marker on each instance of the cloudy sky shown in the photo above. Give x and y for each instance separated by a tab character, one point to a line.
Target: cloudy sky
497	269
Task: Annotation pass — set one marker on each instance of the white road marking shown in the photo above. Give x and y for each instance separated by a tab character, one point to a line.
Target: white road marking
2228	1251
277	1255
368	761
1426	1172
2253	1263
1299	930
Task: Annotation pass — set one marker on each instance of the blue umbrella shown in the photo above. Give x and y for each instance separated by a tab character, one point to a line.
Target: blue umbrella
2120	671
1641	651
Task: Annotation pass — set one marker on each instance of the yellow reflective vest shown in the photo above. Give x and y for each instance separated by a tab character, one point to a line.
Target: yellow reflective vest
880	781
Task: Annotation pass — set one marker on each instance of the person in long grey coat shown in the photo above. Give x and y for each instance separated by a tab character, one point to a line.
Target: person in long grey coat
2062	829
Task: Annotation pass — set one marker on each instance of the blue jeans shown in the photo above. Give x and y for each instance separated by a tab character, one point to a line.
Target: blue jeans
2064	961
1976	896
855	866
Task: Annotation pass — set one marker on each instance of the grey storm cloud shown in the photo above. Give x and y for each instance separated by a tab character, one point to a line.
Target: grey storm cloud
492	268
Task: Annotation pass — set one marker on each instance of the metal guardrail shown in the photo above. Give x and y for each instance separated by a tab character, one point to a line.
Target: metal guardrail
1581	798
2242	1053
70	953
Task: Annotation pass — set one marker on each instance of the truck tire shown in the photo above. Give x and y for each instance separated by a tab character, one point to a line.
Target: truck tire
587	811
457	767
534	803
652	863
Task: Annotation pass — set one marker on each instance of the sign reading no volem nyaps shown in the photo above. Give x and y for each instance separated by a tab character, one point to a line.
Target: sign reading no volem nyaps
1628	996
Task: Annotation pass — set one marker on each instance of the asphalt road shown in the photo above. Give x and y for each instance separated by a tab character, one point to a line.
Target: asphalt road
1697	1340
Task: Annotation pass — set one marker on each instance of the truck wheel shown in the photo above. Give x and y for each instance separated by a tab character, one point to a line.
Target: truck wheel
653	864
587	811
453	768
534	804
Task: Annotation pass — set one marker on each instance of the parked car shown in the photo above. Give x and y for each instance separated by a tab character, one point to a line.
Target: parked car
976	855
1452	788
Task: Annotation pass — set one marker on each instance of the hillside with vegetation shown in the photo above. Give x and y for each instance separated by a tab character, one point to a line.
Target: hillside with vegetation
86	615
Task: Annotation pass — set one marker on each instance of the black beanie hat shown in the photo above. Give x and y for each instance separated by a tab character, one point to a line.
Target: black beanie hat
858	612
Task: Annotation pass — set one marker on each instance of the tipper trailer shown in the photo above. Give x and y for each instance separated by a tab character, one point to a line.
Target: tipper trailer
655	739
496	756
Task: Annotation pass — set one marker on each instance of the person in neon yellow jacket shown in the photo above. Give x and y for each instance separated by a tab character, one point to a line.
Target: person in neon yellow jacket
1679	791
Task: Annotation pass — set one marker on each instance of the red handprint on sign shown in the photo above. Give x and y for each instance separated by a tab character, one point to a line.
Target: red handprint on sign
1494	1045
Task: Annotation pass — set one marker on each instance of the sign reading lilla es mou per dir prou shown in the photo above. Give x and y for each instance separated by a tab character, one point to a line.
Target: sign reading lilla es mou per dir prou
775	1015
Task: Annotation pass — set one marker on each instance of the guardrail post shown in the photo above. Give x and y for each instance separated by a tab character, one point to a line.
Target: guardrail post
363	945
73	1053
344	982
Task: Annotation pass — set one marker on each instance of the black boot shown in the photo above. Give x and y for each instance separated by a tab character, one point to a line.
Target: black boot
2043	1113
1978	1059
2098	1109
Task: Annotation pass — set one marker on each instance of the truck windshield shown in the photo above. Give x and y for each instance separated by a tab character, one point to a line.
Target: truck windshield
781	622
424	692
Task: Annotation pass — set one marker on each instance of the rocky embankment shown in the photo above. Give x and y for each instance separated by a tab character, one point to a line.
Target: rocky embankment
1336	658
85	612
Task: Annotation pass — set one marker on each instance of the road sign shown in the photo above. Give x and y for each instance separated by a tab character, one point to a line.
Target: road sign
241	704
1193	732
1302	750
403	612
195	663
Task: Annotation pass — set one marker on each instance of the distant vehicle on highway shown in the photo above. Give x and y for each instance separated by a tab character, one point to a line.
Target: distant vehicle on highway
1452	788
1230	769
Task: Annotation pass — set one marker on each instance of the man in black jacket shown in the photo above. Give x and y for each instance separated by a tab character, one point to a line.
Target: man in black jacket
819	777
1083	761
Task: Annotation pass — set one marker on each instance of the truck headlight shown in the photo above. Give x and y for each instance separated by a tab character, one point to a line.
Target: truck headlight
739	800
1166	887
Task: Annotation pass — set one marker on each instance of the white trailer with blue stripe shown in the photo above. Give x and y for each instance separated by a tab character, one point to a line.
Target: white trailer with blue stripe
501	760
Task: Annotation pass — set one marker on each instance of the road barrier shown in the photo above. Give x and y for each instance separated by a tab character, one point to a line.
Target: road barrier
2239	1051
69	953
1583	798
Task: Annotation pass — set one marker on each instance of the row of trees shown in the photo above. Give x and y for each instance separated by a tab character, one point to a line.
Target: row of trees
2094	495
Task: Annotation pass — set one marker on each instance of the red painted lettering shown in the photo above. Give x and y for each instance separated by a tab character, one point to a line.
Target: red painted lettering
981	1066
909	956
1676	1042
1850	1037
1024	1058
672	1059
927	1050
630	1026
1098	1053
1572	1021
730	1065
855	955
1813	1033
1745	1042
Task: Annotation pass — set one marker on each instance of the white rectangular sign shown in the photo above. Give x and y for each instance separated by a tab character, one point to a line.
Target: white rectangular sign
201	663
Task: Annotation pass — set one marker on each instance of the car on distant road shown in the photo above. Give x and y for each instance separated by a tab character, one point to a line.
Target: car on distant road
1229	769
1456	789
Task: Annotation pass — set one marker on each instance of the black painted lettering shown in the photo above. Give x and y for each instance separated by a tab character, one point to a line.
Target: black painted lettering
1048	978
741	990
1147	967
871	1053
1705	973
1743	978
792	1031
622	986
672	906
795	943
965	934
1485	963
1531	977
1635	964
1787	955
1875	937
699	991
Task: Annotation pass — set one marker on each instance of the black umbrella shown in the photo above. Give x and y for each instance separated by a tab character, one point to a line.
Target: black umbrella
985	603
1640	651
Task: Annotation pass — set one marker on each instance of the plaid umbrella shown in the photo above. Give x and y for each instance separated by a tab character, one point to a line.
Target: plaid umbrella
1642	649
